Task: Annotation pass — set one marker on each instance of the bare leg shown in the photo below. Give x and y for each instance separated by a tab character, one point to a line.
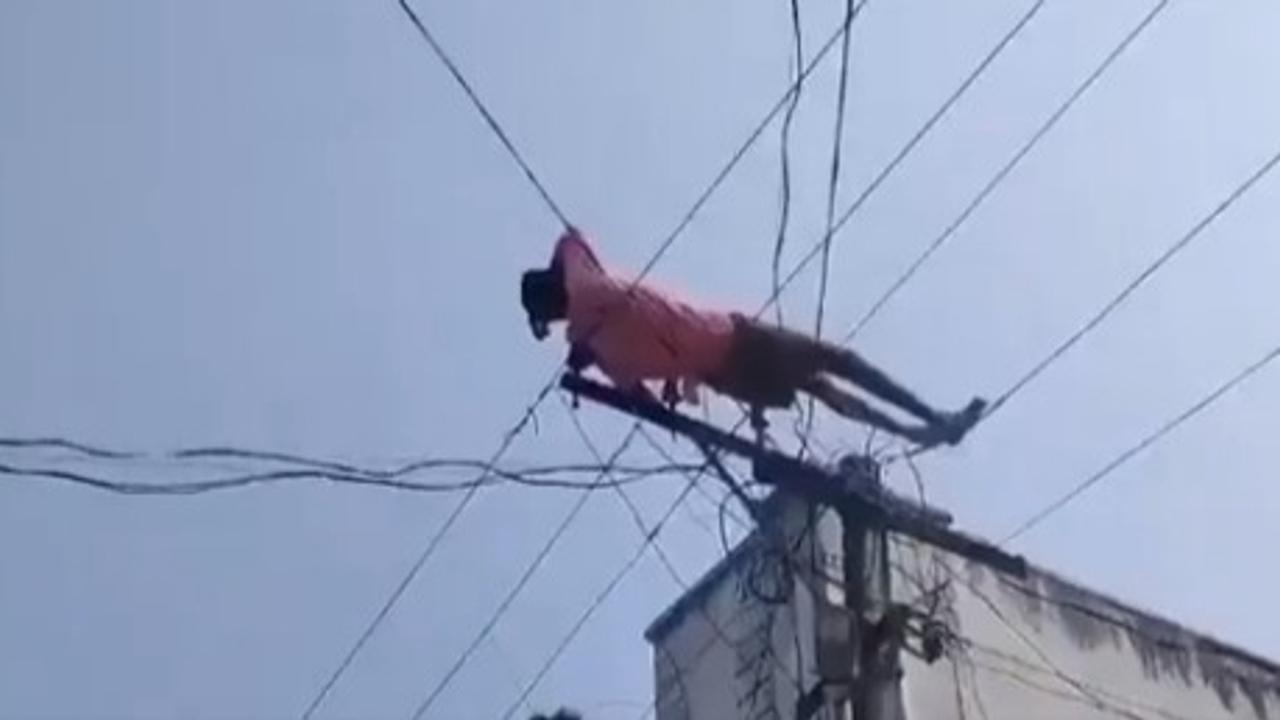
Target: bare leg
855	409
852	367
759	424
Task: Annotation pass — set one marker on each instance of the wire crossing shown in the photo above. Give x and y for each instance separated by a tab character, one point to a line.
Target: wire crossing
910	146
1159	263
489	119
1123	458
1005	170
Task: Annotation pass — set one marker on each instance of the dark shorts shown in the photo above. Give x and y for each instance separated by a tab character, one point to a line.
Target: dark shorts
766	364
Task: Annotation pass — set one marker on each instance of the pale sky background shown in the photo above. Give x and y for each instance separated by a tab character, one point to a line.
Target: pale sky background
280	225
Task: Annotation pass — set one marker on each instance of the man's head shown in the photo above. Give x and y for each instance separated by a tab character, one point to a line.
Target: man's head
544	299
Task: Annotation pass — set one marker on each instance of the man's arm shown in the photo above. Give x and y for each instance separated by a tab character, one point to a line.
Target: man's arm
580	358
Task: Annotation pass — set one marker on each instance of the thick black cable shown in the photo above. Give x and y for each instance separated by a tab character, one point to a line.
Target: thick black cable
909	147
520	584
1035	648
604	479
596	603
398	591
1030	684
1146	274
693	477
550	383
518	428
784	215
522	423
1124	457
336	468
530	477
851	9
1006	169
55	443
489	119
650	539
1060	350
1108	696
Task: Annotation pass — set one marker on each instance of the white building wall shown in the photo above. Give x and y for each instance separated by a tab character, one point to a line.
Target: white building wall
1021	649
1044	648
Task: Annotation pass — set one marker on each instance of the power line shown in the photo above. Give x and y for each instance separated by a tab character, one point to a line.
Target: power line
929	124
1022	663
851	10
1034	685
546	389
823	245
1134	284
1111	306
675	234
530	477
1005	170
528	415
693	477
399	590
55	443
650	540
1035	648
603	479
1124	457
910	145
520	584
599	600
784	215
340	469
484	112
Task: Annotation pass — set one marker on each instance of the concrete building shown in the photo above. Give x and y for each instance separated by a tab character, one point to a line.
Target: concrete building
964	640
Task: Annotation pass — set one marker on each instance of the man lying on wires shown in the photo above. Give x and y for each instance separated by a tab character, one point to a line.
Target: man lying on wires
635	333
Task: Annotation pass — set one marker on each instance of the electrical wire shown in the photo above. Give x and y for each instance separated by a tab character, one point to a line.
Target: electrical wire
520	584
1006	169
1105	312
1110	697
851	9
976	689
531	477
1037	686
698	656
595	604
55	443
650	540
833	189
547	387
605	478
1035	648
784	215
528	415
1058	352
910	146
398	591
694	478
489	119
1151	439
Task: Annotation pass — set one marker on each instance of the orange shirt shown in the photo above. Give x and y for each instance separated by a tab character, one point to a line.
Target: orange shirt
638	333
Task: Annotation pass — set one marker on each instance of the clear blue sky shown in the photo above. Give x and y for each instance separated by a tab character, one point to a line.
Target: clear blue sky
279	225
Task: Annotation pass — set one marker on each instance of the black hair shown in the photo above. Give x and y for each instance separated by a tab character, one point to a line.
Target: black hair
544	298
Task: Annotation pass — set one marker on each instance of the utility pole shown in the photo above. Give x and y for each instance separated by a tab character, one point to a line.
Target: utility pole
858	647
874	640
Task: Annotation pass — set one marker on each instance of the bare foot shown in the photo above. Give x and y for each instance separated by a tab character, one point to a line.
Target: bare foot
957	425
950	428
